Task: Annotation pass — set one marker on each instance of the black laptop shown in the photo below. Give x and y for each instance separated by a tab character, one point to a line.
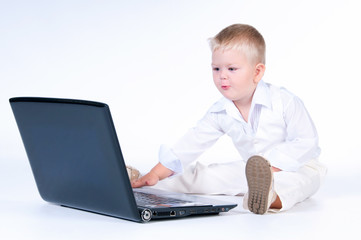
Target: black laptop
77	162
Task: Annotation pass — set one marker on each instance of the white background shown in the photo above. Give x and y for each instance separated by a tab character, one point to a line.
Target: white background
150	62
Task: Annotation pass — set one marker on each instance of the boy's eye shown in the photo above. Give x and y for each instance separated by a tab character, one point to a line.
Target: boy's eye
215	69
232	69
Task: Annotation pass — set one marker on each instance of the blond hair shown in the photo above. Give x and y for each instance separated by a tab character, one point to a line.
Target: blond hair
241	37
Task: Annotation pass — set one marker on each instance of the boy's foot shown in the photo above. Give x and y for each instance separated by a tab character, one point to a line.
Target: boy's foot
260	183
133	173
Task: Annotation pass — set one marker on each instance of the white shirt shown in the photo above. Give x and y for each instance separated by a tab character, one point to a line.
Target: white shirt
279	128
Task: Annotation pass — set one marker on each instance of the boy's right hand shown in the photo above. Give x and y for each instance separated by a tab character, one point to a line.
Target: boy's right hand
159	172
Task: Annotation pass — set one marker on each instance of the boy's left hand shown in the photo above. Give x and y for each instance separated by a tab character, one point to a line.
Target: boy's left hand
149	179
157	173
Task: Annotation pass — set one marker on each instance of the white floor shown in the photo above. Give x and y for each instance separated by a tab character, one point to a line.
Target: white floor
334	211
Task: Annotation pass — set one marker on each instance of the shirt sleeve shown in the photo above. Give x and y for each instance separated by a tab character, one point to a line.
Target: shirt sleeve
301	144
189	147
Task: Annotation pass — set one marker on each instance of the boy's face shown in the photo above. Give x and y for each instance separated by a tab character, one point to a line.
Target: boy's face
235	76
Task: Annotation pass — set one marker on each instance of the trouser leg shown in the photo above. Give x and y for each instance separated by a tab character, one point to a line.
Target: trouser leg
220	178
295	187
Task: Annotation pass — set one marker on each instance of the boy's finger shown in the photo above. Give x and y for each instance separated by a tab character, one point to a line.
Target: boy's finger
137	184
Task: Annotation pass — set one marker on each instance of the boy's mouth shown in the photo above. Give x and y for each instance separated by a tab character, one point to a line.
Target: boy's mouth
225	87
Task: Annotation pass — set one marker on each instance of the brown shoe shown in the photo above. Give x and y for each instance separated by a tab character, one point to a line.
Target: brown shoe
260	185
133	173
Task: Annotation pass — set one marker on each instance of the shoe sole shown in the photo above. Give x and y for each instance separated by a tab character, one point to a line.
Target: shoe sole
259	179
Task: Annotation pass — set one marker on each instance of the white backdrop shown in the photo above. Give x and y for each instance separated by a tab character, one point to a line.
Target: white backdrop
150	61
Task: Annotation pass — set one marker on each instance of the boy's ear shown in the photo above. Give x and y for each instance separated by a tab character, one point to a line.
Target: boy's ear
259	72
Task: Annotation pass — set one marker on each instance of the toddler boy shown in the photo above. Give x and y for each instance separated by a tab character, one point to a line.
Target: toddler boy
269	126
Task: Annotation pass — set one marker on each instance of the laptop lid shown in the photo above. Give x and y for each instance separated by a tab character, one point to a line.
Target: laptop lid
74	154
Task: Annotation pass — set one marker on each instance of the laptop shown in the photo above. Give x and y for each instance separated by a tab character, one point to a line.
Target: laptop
77	162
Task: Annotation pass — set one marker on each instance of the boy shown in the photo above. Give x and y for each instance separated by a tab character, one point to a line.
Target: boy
269	127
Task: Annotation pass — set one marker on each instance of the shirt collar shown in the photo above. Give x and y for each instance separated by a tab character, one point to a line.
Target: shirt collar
262	96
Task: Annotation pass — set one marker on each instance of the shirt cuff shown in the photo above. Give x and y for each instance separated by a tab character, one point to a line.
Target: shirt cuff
169	160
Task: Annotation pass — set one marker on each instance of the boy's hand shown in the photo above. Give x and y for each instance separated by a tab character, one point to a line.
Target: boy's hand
159	172
149	179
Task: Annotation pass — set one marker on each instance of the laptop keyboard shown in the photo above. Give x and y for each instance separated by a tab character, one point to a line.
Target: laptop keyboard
151	199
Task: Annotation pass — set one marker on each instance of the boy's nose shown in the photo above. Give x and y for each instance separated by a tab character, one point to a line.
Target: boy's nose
223	75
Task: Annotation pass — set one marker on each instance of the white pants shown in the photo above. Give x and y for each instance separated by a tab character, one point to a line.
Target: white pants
230	179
